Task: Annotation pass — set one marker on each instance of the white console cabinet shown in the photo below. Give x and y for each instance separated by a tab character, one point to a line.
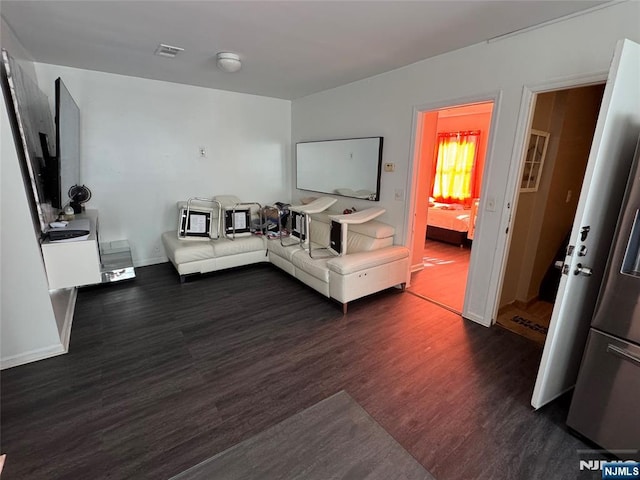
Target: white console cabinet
76	263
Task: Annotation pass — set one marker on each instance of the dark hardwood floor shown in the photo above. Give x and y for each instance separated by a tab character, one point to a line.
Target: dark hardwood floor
444	278
161	376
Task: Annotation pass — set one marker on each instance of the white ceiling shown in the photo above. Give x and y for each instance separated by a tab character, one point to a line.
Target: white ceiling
289	49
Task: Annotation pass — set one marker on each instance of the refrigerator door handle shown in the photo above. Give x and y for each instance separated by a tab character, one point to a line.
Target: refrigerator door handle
619	352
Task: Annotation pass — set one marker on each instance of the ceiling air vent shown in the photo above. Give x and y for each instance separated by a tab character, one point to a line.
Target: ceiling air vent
167	50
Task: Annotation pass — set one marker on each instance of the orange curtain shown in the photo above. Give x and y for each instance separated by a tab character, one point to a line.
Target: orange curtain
454	178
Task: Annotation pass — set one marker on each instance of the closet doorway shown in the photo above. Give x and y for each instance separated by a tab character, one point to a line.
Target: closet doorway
451	146
561	133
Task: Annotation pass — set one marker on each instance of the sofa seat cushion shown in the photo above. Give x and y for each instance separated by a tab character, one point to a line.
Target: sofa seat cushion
355	262
316	267
181	251
224	247
287	253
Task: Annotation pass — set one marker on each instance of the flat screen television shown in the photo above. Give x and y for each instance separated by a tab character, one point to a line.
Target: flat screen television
65	169
30	116
49	153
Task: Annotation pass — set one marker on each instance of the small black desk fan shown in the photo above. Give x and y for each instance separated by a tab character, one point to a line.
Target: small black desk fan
79	194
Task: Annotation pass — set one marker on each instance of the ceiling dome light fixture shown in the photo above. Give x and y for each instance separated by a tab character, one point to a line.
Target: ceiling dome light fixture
228	62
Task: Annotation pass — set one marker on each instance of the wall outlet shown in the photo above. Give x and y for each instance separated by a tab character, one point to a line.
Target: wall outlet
389	167
202	151
491	204
399	196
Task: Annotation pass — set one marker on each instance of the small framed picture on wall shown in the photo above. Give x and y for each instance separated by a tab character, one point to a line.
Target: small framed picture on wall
534	160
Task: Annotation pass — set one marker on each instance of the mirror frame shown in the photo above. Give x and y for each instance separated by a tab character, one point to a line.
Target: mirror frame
348	146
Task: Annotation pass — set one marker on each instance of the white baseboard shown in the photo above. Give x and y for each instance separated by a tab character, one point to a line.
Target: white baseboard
417	267
149	261
32	356
65	334
52	350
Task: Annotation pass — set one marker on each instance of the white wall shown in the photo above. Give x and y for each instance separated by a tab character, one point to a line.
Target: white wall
16	49
140	150
28	329
140	154
383	105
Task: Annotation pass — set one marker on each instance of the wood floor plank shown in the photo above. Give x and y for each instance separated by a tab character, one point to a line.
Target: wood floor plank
334	438
444	277
162	375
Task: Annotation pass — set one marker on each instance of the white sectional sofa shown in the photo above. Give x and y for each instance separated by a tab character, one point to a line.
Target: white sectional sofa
192	256
371	263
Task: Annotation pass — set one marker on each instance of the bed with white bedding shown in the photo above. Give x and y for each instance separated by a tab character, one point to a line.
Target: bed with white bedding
451	223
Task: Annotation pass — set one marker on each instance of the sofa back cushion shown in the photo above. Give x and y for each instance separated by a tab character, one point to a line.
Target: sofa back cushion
363	237
227	200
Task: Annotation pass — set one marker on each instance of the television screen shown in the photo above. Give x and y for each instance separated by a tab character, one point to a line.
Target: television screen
30	116
68	141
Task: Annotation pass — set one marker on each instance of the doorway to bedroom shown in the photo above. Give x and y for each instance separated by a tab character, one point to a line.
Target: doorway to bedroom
451	146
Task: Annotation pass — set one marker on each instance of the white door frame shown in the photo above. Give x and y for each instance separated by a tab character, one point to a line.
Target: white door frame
412	179
525	118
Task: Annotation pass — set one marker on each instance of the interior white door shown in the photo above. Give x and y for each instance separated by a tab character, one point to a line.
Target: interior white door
614	141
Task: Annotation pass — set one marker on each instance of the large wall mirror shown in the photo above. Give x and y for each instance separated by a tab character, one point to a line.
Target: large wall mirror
350	168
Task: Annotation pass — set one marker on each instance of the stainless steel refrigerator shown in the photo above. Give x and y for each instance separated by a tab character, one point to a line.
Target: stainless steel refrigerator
606	402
